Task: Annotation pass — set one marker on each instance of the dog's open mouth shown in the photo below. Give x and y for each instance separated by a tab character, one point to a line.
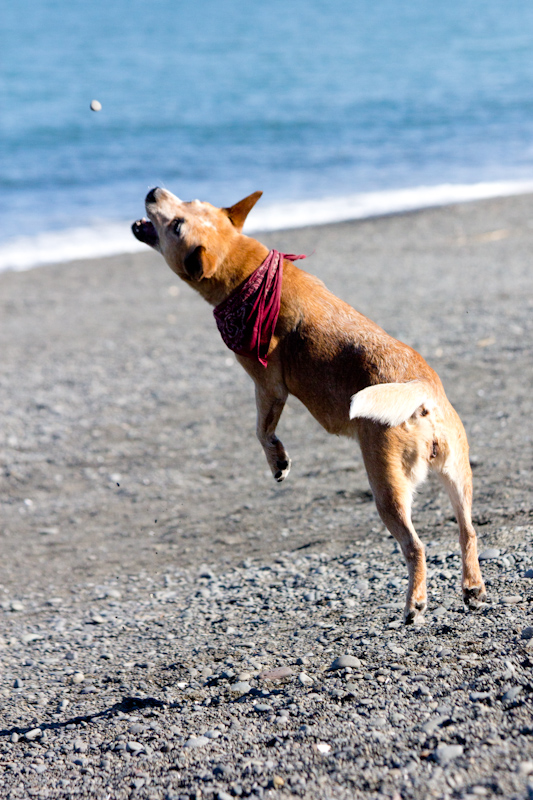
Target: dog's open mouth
144	231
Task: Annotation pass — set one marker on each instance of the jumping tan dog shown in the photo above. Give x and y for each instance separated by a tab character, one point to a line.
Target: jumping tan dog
354	378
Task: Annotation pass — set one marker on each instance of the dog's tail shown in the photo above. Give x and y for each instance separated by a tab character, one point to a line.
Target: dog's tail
391	403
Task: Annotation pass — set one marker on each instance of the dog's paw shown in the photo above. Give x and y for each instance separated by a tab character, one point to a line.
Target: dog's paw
474	597
283	467
415	615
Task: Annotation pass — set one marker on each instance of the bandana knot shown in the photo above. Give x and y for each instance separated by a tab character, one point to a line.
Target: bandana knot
247	318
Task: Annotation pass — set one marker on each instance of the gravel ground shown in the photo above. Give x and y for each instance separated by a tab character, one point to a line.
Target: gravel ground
176	625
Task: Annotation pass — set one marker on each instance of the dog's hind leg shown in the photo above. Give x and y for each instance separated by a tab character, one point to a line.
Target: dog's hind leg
395	467
456	474
270	404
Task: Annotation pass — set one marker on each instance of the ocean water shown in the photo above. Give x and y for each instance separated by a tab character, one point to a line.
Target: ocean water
334	108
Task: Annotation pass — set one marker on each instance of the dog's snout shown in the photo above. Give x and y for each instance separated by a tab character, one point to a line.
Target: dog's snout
151	197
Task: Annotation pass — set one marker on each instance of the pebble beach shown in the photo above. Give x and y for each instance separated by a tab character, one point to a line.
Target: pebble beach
176	625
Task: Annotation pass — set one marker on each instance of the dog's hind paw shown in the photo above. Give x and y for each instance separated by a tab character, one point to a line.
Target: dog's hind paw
415	616
474	597
283	469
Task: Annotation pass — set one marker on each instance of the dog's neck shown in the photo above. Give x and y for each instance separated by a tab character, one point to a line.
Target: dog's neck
244	257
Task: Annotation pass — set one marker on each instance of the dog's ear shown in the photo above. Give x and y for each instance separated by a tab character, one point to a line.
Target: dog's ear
200	264
240	210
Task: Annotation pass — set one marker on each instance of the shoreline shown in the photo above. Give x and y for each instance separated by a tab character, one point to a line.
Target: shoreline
110	239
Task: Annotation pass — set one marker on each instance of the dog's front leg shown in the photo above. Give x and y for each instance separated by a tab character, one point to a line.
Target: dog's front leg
269	407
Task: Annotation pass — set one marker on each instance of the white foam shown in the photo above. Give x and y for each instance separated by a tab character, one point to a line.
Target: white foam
73	244
375	204
109	239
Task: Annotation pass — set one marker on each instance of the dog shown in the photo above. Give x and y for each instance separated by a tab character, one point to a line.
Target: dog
353	377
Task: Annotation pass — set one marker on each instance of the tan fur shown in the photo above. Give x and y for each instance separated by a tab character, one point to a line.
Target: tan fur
354	378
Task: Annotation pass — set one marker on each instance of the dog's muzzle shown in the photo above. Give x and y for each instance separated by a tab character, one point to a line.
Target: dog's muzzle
144	231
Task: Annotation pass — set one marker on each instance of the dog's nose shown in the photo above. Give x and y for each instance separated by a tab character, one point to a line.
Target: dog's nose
151	197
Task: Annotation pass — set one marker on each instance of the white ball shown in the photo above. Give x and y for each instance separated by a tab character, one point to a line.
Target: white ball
96	105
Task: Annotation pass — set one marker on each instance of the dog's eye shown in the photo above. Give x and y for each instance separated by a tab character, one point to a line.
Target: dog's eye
176	226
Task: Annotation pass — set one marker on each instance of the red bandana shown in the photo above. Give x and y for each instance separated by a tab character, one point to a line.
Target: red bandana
247	318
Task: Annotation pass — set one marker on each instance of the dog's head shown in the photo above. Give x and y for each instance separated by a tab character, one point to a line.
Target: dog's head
193	237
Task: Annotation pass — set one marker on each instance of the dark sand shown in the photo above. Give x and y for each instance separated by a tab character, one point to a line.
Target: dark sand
105	372
129	459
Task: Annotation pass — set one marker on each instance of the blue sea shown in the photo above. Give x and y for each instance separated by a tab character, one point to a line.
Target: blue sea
334	108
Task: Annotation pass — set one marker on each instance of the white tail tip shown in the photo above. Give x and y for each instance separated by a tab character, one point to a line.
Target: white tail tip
390	403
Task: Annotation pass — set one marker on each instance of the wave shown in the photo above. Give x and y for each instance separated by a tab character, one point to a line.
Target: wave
115	238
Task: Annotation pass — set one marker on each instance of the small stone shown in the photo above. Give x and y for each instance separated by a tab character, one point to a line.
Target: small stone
276	674
96	105
322	747
475	696
16	606
240	687
212	734
263	708
511	694
528	573
432	724
525	767
278	782
78	677
96	619
35	733
15	737
135	747
17	684
196	741
445	753
511	599
345	661
489	553
305	679
527	633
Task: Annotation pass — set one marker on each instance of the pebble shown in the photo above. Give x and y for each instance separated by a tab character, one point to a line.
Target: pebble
322	747
240	687
475	696
78	677
445	753
35	733
196	741
96	105
527	633
489	553
134	747
305	679
511	694
276	674
345	661
511	599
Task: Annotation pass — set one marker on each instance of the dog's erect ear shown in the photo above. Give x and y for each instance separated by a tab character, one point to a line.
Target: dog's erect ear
200	264
240	210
